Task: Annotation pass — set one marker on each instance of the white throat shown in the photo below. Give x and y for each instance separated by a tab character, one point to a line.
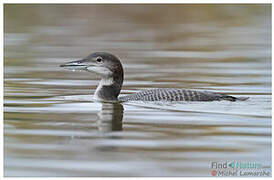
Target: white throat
104	82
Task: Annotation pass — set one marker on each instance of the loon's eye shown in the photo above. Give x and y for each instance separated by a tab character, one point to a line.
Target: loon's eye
99	59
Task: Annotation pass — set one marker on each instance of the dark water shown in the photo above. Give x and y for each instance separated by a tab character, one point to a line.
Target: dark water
52	126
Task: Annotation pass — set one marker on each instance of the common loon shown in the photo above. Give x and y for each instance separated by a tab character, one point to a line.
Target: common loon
110	69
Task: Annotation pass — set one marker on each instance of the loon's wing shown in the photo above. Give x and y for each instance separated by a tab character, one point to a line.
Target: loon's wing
171	94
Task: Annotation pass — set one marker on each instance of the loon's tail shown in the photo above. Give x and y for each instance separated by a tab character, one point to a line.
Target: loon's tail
242	98
231	98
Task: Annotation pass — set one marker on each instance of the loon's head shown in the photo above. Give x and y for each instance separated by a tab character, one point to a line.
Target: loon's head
108	67
104	64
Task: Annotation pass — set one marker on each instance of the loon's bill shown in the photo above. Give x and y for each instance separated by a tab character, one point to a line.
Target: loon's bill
74	65
110	69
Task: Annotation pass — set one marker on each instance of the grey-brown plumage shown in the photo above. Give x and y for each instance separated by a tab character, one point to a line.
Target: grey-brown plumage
172	94
110	70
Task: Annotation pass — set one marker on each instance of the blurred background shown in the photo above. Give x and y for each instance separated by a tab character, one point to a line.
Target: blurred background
52	126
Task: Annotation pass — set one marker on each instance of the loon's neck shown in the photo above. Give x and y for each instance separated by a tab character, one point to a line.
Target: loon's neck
108	89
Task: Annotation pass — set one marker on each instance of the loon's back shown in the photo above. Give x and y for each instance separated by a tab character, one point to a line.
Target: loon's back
172	94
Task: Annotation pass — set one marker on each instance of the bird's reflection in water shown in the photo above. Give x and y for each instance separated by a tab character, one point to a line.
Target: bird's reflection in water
110	121
110	117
